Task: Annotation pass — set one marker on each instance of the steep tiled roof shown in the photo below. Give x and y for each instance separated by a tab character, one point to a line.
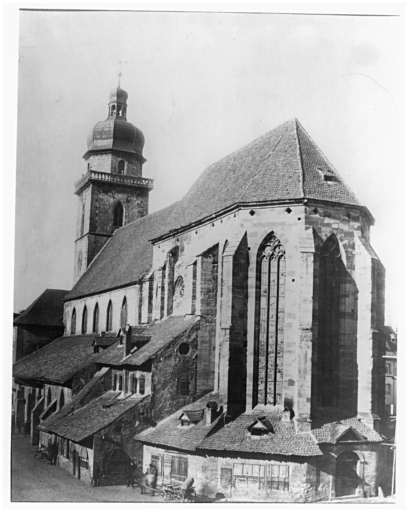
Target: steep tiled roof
171	434
47	309
330	432
93	417
126	257
159	335
76	401
282	165
58	361
235	436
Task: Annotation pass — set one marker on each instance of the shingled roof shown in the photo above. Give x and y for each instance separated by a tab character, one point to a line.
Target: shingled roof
283	165
76	401
159	334
170	434
235	436
47	309
331	432
58	361
126	257
94	416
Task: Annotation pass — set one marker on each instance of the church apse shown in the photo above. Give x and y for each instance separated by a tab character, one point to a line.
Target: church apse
334	369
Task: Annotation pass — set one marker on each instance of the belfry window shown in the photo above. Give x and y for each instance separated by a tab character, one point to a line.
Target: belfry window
121	167
118	216
73	322
113	110
271	273
123	314
109	314
96	319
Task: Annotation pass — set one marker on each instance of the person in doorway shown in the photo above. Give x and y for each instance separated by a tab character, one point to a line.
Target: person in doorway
151	477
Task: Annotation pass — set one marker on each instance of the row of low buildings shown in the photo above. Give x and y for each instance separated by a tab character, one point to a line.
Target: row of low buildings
236	336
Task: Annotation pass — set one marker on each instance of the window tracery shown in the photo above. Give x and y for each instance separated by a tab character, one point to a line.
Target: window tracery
271	320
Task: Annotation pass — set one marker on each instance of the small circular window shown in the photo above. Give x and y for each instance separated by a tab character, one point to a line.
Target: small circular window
184	349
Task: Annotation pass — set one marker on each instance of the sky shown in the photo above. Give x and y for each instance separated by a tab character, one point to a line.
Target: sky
202	85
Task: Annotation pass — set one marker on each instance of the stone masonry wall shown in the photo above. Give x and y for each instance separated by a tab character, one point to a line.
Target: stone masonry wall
168	370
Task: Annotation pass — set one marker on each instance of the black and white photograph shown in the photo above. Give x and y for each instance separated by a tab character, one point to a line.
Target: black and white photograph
206	204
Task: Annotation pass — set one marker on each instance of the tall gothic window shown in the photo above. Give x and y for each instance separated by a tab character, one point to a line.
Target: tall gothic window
96	319
270	320
84	320
330	276
118	216
109	314
73	322
123	314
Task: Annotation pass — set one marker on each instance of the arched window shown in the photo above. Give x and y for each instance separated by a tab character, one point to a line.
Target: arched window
271	278
73	322
328	353
118	216
113	110
84	321
82	219
123	314
109	314
121	167
95	327
62	400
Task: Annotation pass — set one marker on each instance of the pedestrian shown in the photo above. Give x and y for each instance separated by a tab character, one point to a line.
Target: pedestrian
130	474
53	451
97	476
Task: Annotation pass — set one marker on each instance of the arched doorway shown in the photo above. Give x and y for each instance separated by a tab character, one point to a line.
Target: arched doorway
347	479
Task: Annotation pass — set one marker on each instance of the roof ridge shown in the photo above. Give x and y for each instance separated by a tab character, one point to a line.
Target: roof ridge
299	153
329	164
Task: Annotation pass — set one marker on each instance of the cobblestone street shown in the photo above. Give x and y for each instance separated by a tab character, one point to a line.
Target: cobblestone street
33	480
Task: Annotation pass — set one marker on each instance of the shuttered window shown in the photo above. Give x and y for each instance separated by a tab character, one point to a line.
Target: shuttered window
179	468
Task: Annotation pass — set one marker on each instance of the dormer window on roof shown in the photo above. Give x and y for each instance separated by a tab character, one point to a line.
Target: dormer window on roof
261	427
191	417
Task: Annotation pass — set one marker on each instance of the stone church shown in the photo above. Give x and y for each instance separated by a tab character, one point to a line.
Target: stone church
235	336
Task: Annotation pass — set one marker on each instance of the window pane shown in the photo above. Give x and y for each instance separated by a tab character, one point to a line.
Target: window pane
255	470
283	471
237	469
275	471
247	469
261	470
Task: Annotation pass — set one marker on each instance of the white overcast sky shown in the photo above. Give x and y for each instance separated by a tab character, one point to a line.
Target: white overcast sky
200	86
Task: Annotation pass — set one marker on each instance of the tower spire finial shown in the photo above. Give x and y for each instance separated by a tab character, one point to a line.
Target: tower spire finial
119	75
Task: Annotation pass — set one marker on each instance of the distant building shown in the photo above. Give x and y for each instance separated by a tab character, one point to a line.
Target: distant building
39	324
390	371
33	328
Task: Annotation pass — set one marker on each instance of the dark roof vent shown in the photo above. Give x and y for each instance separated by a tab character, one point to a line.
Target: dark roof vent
262	426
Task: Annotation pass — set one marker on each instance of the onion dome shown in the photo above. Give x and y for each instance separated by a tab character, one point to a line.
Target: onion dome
116	132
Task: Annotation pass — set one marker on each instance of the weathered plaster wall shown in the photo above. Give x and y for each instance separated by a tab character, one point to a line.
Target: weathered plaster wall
116	296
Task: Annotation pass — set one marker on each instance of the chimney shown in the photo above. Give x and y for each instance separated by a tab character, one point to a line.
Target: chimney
127	339
287	415
211	413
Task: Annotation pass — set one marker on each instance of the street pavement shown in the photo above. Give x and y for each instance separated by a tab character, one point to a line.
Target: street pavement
34	480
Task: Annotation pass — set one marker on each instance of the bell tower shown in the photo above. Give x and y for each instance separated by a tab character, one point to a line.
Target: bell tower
113	191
